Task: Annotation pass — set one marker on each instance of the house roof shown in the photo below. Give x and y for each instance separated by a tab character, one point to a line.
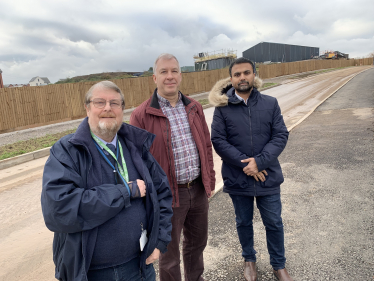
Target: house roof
45	79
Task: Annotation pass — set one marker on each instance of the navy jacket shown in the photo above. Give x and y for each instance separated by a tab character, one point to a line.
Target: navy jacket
75	203
240	131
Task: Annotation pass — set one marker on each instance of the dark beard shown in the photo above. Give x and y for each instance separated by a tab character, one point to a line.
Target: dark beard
244	90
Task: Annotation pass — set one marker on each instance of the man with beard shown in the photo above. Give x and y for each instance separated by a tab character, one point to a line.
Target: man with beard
105	197
249	134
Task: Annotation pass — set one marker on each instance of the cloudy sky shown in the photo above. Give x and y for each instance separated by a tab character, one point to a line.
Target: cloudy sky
59	39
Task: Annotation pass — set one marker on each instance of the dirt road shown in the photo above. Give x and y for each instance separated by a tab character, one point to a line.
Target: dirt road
25	243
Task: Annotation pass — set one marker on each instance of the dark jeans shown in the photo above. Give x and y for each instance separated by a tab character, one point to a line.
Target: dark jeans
128	271
270	208
192	217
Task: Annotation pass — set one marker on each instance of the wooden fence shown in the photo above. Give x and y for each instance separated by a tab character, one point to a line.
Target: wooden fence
280	69
28	107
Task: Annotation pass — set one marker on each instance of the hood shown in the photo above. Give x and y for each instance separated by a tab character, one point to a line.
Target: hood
218	97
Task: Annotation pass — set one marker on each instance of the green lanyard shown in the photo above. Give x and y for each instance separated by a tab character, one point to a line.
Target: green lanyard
122	170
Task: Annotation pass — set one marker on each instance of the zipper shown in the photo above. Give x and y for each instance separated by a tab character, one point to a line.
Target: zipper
167	138
89	168
250	127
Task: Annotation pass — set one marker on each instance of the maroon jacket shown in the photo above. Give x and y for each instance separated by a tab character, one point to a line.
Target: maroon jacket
149	116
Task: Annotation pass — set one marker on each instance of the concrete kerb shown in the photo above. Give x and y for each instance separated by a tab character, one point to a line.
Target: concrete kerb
10	162
314	108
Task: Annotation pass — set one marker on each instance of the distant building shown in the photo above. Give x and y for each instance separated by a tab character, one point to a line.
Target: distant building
39	81
214	60
138	74
15	85
188	68
274	52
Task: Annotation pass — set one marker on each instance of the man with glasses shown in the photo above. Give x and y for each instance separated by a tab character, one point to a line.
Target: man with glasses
105	197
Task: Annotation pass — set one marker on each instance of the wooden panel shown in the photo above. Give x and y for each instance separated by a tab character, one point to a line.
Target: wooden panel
30	106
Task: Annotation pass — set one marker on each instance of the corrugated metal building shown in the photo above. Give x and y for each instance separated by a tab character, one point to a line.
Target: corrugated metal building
275	52
216	63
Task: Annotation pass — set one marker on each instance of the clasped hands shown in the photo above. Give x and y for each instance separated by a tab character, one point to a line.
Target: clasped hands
252	170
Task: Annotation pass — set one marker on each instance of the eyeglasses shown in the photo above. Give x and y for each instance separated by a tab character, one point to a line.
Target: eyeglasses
101	103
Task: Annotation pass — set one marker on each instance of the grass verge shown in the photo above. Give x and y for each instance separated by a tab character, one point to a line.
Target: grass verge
317	72
267	85
22	147
204	101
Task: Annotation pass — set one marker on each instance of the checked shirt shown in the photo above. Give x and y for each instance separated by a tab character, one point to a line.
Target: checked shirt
186	155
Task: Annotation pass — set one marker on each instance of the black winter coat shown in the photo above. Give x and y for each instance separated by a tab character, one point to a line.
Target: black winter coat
241	131
75	203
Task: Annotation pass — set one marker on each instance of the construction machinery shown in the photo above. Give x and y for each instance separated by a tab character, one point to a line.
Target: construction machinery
334	55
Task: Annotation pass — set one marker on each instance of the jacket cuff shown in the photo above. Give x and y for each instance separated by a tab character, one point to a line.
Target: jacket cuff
135	191
260	165
125	195
162	246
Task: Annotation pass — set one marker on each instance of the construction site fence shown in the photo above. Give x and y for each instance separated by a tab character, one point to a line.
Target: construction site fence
267	71
27	107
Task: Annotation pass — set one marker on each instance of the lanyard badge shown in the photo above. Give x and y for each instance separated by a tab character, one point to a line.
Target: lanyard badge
122	168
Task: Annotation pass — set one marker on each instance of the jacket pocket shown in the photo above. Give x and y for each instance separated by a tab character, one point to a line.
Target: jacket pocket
233	177
273	179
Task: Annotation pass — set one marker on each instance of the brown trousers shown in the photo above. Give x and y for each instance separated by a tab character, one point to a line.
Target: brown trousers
192	217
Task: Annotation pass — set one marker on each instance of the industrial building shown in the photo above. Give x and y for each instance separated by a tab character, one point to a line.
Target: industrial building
274	52
214	60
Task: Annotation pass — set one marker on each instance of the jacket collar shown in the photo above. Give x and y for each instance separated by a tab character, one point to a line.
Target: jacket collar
155	104
139	137
234	99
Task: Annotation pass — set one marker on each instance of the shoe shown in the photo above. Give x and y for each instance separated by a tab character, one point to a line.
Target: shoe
250	271
282	275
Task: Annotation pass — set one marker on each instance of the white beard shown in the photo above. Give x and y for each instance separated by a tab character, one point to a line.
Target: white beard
106	130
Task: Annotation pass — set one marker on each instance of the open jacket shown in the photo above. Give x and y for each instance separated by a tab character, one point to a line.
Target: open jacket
241	131
75	203
149	116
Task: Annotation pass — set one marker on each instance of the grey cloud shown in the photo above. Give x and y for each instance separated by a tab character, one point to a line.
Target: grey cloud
71	31
84	37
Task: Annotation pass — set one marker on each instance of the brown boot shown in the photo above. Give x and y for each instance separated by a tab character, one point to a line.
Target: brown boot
282	275
250	271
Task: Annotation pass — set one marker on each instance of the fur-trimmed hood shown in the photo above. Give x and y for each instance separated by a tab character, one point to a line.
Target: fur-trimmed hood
218	97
